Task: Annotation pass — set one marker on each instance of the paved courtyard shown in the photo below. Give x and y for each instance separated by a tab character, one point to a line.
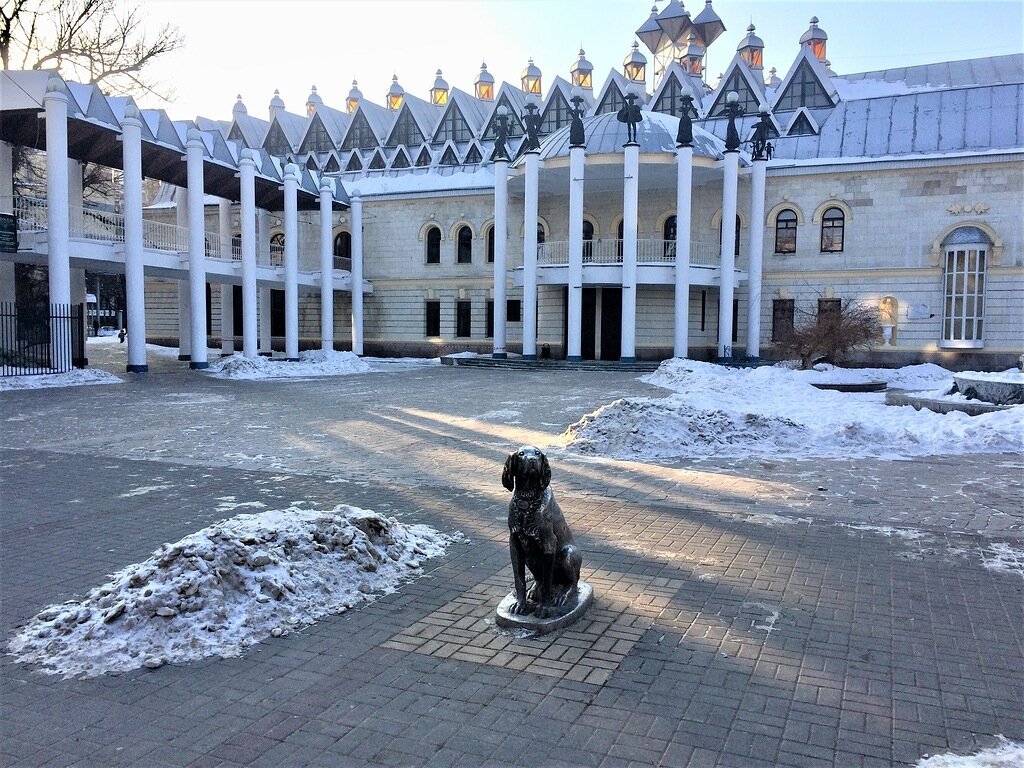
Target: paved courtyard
761	612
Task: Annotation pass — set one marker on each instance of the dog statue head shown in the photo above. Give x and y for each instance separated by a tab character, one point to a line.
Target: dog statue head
526	469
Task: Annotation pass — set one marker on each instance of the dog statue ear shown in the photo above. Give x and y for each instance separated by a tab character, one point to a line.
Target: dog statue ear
545	471
508	474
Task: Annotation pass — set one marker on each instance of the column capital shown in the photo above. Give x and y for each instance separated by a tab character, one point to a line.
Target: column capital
291	172
55	90
194	139
132	117
247	157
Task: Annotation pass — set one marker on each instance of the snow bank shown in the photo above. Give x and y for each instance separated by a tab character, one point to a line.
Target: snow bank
1008	754
226	587
76	378
314	362
773	411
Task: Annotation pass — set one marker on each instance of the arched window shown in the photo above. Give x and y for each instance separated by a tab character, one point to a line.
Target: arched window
619	237
277	249
736	247
490	245
833	227
965	256
785	231
588	238
464	246
542	234
343	250
668	234
434	245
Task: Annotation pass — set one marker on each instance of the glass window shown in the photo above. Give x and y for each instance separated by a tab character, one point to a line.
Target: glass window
490	320
749	100
276	142
785	231
434	245
829	311
405	131
453	126
377	162
542	234
317	139
801	126
473	156
490	245
448	158
556	115
963	306
736	248
432	313
514	310
515	127
833	225
803	90
354	163
360	135
588	238
464	246
423	159
401	160
464	319
343	250
670	102
612	101
668	234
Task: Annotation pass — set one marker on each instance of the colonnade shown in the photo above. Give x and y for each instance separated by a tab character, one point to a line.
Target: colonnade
631	185
191	215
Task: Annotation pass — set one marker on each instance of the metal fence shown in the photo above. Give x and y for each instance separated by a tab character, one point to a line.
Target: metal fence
36	343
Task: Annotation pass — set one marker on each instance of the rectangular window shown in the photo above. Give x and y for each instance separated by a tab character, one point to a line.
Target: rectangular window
432	311
464	319
829	311
490	320
514	311
735	320
783	311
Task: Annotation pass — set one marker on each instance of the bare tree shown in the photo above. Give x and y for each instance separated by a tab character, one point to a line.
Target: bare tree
93	41
830	336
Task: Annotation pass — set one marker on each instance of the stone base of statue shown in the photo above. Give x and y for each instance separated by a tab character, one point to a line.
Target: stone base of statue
561	617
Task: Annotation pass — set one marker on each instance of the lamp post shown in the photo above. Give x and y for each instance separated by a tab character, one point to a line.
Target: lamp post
761	149
500	159
730	180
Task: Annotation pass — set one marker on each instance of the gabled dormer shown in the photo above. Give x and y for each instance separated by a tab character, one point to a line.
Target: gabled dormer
401	159
377	161
311	164
739	78
276	142
360	135
802	124
452	126
611	97
557	111
332	165
317	138
424	158
449	156
355	163
406	130
474	155
807	84
668	97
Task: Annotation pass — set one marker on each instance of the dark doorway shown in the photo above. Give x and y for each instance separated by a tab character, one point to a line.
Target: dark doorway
236	310
277	313
588	347
611	323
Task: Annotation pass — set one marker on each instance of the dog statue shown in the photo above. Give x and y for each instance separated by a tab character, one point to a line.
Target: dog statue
539	537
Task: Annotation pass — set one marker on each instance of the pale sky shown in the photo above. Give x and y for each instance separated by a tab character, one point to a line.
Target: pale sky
252	47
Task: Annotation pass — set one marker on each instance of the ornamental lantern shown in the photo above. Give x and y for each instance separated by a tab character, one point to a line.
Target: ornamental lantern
815	39
396	94
439	93
483	86
531	79
312	102
352	101
751	49
582	72
634	66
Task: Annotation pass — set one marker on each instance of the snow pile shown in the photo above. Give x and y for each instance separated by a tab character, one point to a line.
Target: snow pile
226	587
773	411
314	362
75	378
924	376
1008	754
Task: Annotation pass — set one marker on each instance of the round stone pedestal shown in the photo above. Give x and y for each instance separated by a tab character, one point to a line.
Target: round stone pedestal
567	614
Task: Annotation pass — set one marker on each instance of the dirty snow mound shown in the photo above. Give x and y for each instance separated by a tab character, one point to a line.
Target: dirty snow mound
226	587
313	362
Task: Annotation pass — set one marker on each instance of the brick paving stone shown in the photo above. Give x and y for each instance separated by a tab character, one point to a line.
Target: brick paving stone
716	638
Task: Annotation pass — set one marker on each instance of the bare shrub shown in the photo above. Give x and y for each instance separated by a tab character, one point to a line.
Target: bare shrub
828	336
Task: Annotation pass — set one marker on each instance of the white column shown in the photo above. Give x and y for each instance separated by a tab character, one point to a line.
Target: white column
326	266
577	168
247	216
134	270
291	262
630	202
731	166
196	248
76	195
59	258
184	288
357	272
227	294
757	179
263	257
684	197
7	292
500	261
530	205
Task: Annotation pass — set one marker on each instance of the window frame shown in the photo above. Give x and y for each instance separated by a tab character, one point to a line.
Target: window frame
432	318
432	245
790	227
831	225
463	319
464	245
963	295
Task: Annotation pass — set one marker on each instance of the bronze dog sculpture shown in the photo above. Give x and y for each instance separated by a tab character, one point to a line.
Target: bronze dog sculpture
539	537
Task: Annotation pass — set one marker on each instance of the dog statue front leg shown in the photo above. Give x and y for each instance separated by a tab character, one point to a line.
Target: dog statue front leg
545	609
519	574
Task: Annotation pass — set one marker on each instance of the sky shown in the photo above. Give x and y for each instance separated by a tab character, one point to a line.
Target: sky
252	47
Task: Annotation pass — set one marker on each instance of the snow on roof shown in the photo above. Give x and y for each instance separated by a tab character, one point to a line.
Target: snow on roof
439	179
993	70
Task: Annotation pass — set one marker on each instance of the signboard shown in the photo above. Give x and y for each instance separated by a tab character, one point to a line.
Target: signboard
8	232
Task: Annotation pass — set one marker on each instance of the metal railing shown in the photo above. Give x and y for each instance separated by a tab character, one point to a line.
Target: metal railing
41	342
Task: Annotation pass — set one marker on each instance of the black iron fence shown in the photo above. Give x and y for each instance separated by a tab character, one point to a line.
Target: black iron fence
34	343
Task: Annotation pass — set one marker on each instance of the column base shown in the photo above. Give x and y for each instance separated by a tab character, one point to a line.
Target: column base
499	356
628	360
529	357
137	368
184	358
198	366
574	359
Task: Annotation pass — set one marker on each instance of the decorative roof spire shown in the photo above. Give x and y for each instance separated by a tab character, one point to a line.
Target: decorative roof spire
396	94
815	39
439	92
239	108
634	66
312	102
483	85
276	105
582	72
751	49
353	98
531	79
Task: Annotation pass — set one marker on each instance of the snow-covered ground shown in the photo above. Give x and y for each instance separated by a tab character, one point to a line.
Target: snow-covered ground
313	362
775	412
1008	754
226	587
74	378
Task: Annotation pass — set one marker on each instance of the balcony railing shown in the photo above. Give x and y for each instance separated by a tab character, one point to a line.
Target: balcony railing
648	251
